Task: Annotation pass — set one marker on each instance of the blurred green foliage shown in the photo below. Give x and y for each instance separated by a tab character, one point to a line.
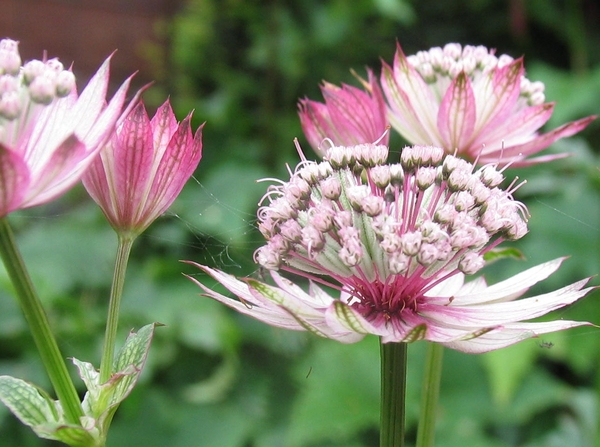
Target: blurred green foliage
218	379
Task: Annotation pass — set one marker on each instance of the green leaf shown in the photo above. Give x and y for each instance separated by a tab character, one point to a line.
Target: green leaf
31	405
133	355
34	408
78	436
501	253
103	399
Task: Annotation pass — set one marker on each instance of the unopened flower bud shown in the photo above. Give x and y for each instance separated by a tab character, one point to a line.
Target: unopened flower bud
10	60
331	188
65	83
42	90
32	70
471	263
10	106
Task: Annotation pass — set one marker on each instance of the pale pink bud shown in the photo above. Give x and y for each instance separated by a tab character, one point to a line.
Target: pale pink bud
10	59
471	263
411	243
65	83
331	188
10	105
32	70
42	89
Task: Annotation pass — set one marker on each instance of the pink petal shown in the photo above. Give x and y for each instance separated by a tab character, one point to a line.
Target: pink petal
131	164
315	121
510	334
447	288
357	117
497	97
271	315
178	163
510	288
500	313
545	140
92	100
95	181
521	127
457	114
413	108
163	125
342	318
60	173
15	180
104	124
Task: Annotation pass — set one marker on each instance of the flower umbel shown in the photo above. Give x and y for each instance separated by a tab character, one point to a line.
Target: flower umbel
349	115
396	240
48	133
143	168
471	102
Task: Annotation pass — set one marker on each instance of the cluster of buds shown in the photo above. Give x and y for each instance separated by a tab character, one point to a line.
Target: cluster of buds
409	225
36	83
441	65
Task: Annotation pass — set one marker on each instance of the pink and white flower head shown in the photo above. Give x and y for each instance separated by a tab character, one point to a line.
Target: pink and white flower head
48	133
348	117
472	103
143	168
396	240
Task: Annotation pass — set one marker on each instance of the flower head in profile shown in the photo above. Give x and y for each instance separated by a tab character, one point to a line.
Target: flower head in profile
471	102
396	241
349	115
48	133
143	167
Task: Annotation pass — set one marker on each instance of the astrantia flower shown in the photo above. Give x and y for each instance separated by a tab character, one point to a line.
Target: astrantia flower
143	168
349	115
48	134
470	102
396	240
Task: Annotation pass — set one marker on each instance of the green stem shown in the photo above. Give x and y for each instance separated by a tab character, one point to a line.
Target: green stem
430	395
116	291
38	325
393	393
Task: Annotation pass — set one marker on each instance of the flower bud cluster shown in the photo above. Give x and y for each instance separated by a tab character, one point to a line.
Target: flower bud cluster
23	89
357	216
440	65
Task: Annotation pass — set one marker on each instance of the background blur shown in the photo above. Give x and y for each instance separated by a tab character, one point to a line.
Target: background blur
217	379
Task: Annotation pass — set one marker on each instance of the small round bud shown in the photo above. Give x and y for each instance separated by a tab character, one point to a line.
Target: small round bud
42	90
10	59
65	83
32	70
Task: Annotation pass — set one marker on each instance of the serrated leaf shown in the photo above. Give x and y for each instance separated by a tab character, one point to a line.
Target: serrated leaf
131	360
103	399
28	403
34	408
